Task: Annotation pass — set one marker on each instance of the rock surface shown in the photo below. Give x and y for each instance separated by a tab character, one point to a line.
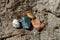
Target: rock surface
47	11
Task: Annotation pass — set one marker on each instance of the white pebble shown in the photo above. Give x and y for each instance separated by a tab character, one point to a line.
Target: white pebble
15	23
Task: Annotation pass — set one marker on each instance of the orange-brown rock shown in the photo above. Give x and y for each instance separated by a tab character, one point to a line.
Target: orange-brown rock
37	25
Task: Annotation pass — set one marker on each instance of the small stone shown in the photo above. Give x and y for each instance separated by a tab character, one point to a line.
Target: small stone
25	22
37	25
15	23
30	15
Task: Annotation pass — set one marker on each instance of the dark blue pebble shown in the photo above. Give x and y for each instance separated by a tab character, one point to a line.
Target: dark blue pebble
26	21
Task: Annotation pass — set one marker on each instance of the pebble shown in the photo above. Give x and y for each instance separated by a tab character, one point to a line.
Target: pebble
25	22
30	15
15	23
37	25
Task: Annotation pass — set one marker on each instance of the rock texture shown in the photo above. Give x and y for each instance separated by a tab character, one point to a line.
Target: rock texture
47	11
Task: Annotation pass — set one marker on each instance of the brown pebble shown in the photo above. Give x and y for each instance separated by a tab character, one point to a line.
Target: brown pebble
37	25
